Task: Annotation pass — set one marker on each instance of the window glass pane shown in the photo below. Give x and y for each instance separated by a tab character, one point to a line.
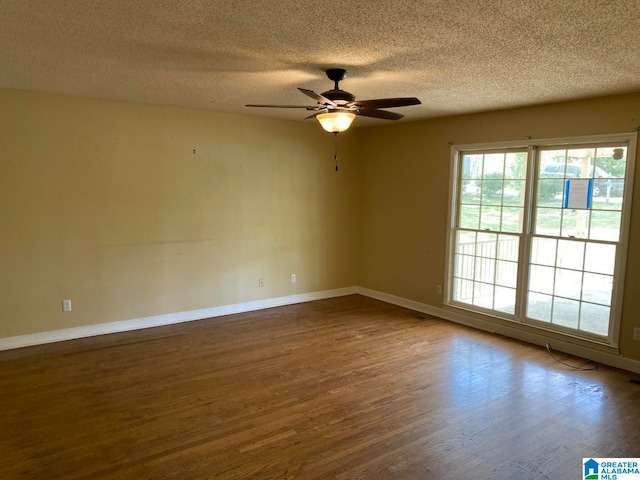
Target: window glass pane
463	290
505	300
617	189
469	216
483	295
568	283
513	192
548	221
605	225
602	190
484	270
541	279
550	192
490	217
508	247
539	306
600	258
464	266
486	245
570	254
470	192
552	162
565	312
595	318
569	223
466	242
597	288
515	165
506	273
543	251
614	202
580	162
512	219
491	191
471	166
612	161
494	164
583	223
611	164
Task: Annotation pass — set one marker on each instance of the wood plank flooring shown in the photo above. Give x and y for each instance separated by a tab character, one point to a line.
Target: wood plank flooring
345	388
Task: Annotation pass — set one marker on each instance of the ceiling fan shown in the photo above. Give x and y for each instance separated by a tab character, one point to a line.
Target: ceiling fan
337	108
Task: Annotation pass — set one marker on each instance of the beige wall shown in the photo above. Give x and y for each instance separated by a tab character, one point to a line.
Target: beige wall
405	187
106	203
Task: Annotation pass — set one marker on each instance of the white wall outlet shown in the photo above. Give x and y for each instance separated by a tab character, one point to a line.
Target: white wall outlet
636	334
66	305
439	289
293	278
261	282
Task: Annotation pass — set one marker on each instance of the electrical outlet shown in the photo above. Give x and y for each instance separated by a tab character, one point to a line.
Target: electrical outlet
636	334
261	282
439	289
66	305
293	278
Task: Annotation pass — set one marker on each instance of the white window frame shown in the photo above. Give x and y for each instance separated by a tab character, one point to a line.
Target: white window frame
532	145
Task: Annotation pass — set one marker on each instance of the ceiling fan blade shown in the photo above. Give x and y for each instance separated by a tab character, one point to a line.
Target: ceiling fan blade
313	116
318	98
365	112
388	102
280	106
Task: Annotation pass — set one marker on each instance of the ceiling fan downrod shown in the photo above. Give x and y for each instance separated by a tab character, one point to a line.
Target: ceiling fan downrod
336	75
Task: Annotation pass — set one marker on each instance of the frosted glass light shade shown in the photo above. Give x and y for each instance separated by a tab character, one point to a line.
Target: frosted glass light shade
335	122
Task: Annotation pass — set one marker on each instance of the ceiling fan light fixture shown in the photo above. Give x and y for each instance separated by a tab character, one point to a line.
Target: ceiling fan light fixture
336	122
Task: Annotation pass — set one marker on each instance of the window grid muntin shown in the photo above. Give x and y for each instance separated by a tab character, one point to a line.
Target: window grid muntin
489	209
491	212
565	158
559	267
477	267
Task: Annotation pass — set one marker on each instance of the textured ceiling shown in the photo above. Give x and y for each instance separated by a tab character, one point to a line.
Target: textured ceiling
456	56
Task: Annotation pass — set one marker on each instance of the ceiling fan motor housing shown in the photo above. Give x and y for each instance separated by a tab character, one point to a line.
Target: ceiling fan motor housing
339	96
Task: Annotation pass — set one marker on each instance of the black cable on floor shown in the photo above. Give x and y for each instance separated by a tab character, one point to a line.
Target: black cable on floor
567	364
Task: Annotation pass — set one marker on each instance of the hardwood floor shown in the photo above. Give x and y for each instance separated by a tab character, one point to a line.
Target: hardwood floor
346	388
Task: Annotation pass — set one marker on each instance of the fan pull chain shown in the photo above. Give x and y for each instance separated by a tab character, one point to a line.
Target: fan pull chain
335	156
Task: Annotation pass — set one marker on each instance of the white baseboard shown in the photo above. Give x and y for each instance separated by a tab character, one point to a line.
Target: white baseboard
595	354
192	315
167	319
